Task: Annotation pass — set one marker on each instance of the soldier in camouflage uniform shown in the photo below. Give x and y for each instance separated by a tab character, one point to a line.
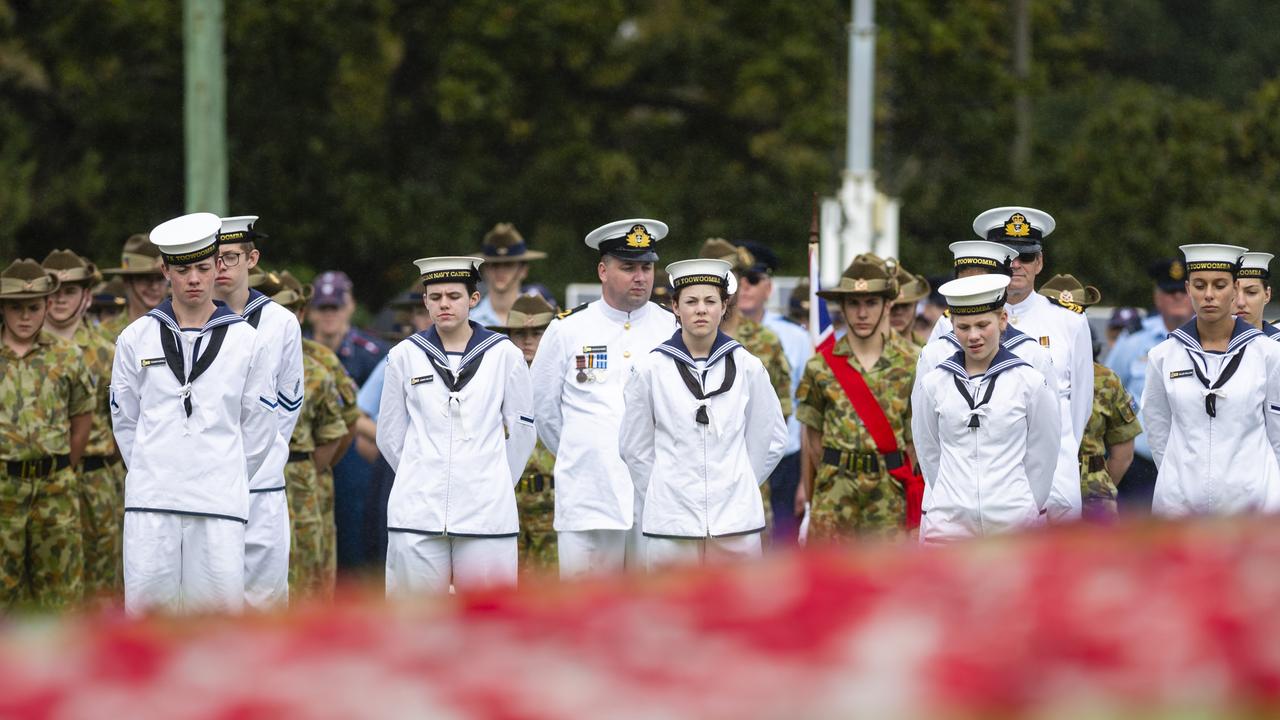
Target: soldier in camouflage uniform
144	284
852	492
535	494
46	406
757	339
101	474
902	315
315	439
1107	446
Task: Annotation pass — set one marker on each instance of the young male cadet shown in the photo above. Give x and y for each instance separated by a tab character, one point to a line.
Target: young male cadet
266	537
582	364
506	264
1063	332
144	284
193	408
456	423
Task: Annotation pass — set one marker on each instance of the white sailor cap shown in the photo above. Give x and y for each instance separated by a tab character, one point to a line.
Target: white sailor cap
1021	228
975	294
703	271
1212	257
1255	265
187	239
990	256
628	239
239	229
446	269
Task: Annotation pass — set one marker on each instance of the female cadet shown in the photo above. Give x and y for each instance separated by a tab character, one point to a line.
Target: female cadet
536	492
702	429
456	424
986	425
1207	386
1253	291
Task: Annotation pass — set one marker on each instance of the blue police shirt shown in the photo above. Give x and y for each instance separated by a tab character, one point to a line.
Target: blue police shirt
797	348
1128	359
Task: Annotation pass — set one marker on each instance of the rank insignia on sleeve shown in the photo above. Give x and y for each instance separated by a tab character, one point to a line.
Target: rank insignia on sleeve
1181	373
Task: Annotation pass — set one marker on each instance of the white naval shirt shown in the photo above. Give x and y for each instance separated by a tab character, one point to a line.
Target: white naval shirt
1065	335
993	477
583	407
279	331
1214	465
701	480
198	464
457	454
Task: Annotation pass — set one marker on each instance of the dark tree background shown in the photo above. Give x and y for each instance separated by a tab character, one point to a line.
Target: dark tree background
370	133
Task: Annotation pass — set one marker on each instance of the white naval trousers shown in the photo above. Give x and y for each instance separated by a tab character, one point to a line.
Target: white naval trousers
592	553
419	563
266	551
674	552
182	563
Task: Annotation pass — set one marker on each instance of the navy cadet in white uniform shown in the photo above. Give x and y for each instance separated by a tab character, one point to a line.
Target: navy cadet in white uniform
979	257
1253	291
456	423
1211	404
193	410
985	424
1065	334
266	538
702	429
578	375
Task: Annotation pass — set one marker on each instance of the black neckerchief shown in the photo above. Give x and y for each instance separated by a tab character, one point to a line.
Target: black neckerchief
721	348
216	326
481	340
1211	400
1002	361
1189	336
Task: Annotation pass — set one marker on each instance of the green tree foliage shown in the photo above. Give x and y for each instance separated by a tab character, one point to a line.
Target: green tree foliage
370	133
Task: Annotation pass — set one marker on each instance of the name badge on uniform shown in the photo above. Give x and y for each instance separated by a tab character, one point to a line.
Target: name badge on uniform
148	362
422	379
1044	341
1181	373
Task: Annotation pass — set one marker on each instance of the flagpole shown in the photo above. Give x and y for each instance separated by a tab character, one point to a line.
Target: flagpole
814	255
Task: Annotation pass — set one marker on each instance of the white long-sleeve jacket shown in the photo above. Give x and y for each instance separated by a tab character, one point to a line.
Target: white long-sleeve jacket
701	480
1222	464
997	475
583	406
279	331
457	453
198	464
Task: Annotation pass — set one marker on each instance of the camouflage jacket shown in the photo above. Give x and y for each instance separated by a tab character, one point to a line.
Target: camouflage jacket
822	405
1114	420
112	327
98	353
39	394
765	345
346	386
320	418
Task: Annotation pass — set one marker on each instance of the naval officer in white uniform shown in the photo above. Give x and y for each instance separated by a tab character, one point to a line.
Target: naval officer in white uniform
1065	334
193	410
582	364
1211	403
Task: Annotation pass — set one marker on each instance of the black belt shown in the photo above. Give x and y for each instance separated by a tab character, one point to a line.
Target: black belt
862	462
298	456
97	462
1094	463
43	467
536	483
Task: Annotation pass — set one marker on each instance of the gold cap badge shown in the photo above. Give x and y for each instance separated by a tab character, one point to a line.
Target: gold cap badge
1017	226
639	237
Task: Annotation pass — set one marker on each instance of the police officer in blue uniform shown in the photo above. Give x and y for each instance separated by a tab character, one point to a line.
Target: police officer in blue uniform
1128	359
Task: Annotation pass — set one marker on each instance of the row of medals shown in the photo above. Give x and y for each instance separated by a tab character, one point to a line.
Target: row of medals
593	375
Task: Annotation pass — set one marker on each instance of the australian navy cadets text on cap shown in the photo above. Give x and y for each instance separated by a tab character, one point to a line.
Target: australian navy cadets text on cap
1021	228
633	239
449	269
992	257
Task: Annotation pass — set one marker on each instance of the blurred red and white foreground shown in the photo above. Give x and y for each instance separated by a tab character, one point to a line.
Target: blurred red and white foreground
1148	621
